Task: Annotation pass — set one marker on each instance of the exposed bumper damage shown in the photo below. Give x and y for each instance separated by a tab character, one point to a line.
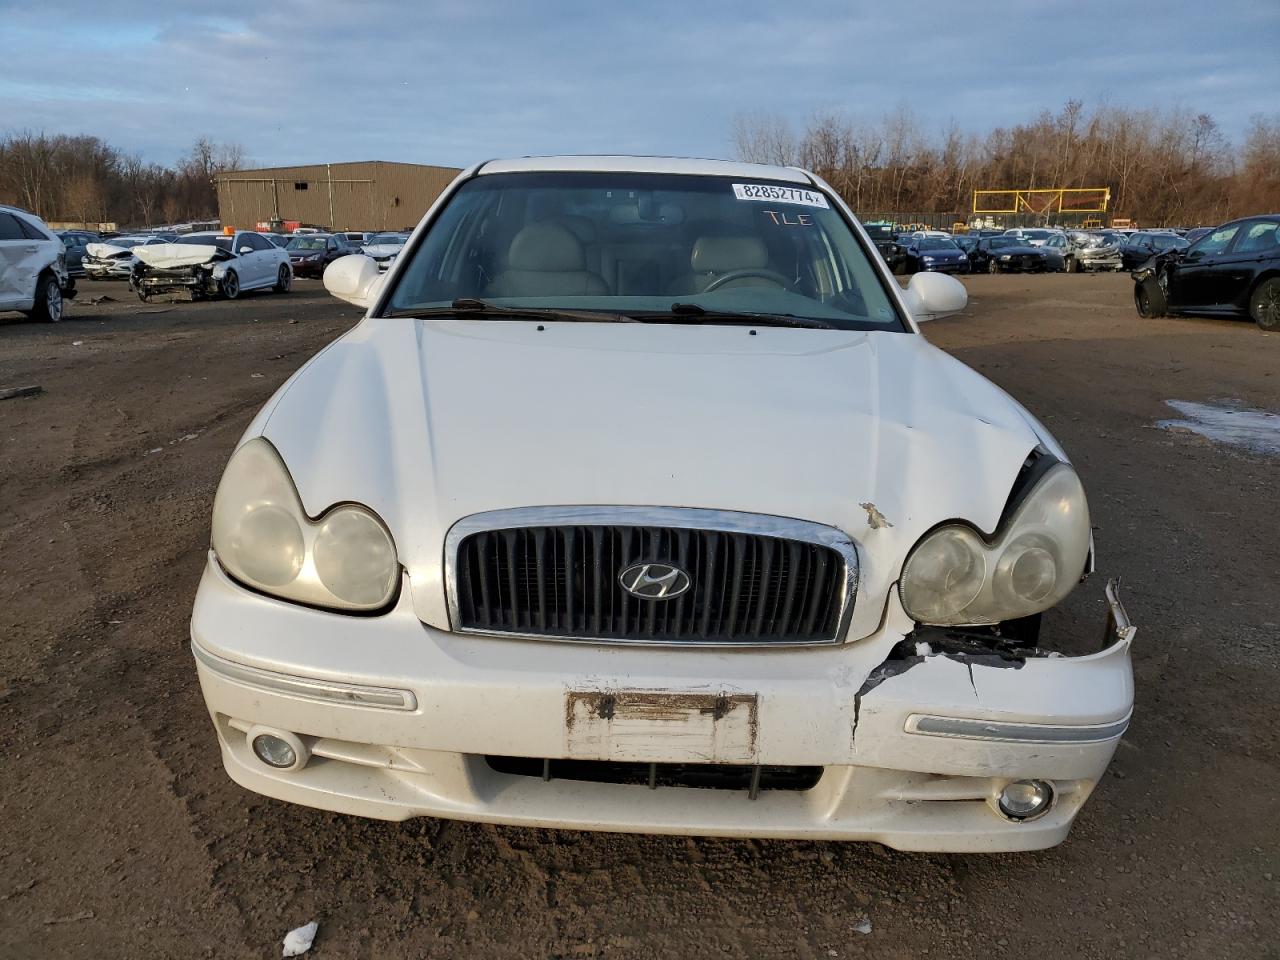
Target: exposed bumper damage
164	268
869	740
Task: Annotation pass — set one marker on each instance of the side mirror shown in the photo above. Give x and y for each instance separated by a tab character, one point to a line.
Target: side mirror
930	296
354	278
245	249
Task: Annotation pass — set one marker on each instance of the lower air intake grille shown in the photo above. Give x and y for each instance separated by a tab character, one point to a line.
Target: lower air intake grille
709	776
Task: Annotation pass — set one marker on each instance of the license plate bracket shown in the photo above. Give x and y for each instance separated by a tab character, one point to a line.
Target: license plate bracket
661	726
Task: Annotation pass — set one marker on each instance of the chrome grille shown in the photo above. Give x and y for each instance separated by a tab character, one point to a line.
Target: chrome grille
554	573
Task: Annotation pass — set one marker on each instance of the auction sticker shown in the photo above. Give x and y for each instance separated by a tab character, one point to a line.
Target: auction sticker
776	194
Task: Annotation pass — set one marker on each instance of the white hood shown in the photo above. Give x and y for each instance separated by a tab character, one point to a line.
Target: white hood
104	251
428	421
177	254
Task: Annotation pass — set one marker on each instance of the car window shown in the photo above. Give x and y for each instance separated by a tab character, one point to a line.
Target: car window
639	242
255	241
9	229
1259	236
1214	242
30	230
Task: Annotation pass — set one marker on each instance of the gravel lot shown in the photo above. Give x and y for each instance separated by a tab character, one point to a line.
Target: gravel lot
123	837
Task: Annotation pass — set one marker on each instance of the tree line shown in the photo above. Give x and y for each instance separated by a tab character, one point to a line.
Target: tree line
1164	167
85	179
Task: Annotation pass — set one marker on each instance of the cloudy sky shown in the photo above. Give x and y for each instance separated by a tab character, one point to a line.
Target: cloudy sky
457	81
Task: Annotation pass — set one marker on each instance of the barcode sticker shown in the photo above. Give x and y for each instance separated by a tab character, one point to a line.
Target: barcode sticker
775	194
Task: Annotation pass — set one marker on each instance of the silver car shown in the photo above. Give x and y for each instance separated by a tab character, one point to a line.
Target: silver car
1094	250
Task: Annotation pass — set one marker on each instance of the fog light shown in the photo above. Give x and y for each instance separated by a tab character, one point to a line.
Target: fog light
278	748
1025	799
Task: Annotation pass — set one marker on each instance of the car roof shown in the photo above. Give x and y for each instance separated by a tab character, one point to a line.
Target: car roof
686	166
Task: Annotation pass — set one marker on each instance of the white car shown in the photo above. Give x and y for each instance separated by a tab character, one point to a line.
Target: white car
114	259
33	266
384	248
637	501
1035	236
212	264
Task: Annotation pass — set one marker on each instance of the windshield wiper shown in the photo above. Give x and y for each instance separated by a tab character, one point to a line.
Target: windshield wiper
695	313
474	307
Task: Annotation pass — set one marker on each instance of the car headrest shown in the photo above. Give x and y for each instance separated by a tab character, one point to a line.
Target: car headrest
547	248
722	254
584	228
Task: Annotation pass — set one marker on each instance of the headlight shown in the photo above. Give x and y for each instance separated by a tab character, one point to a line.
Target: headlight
345	559
1006	256
953	576
928	259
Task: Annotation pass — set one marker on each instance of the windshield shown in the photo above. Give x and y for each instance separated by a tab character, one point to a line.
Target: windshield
635	244
206	240
306	243
397	239
997	242
935	243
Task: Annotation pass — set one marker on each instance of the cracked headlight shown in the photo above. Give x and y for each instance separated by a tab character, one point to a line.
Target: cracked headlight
345	560
955	577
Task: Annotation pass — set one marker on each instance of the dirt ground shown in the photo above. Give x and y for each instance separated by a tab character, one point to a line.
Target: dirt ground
122	837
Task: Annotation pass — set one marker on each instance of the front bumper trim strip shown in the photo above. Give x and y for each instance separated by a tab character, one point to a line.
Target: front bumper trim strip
1001	732
325	691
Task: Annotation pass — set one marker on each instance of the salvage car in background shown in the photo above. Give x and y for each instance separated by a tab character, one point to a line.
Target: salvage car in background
114	259
212	264
1094	250
933	253
33	269
531	544
1233	271
1004	254
74	243
384	248
311	253
1143	245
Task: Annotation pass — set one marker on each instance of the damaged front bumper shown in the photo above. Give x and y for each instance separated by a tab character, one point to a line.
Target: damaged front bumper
201	280
394	719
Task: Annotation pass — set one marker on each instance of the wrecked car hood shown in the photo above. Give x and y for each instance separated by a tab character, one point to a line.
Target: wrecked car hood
429	421
104	251
179	254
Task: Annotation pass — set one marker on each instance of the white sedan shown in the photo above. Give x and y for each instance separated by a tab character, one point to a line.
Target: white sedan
637	501
212	264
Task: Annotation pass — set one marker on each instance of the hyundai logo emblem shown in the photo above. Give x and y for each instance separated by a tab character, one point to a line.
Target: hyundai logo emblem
654	581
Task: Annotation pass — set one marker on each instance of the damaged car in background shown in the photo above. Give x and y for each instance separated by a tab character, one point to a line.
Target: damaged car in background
212	265
114	259
638	501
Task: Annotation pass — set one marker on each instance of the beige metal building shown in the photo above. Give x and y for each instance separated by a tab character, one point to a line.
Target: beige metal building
372	195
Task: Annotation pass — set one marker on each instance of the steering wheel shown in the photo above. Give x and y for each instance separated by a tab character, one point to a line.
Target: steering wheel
773	275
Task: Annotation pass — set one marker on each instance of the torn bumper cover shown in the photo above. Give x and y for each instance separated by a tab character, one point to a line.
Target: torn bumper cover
841	742
164	268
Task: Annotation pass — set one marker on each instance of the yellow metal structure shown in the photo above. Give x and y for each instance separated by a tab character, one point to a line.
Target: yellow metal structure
1055	200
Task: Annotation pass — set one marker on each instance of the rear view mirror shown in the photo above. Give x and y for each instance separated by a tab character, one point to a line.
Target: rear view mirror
354	278
930	296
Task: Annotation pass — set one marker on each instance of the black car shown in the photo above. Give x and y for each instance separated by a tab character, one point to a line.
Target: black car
1142	246
310	253
1234	271
1007	255
1195	233
886	242
934	255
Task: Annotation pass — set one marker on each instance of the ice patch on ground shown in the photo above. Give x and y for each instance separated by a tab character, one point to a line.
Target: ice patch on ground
1228	422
